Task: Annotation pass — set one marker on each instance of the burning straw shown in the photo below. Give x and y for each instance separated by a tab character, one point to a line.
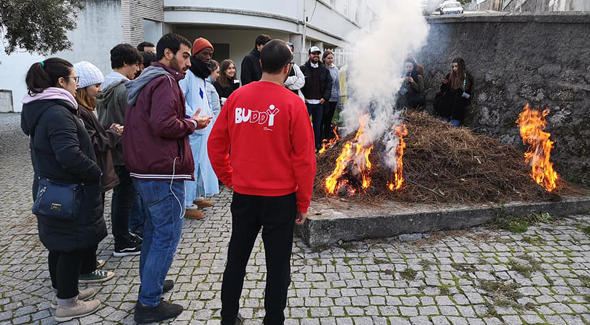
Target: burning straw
442	163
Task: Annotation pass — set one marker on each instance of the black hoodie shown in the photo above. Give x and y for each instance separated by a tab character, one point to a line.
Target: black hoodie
251	69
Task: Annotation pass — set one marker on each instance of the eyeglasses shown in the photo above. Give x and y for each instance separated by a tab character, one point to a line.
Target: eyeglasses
76	78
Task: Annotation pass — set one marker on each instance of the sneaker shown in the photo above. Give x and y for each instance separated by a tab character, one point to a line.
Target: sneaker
194	214
79	309
239	319
100	264
168	285
203	203
85	294
96	276
163	311
135	238
131	250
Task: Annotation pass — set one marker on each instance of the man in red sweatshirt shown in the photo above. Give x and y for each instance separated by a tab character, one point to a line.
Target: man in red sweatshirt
271	169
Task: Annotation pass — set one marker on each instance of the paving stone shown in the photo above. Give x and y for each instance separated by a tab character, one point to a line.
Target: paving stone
361	284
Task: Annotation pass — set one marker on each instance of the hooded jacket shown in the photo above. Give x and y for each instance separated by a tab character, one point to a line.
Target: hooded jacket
251	69
61	151
102	141
110	107
155	141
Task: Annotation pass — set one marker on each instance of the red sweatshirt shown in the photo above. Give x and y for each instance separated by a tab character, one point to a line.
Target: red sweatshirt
268	130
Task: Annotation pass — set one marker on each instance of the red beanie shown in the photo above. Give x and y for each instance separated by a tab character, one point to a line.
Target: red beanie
200	44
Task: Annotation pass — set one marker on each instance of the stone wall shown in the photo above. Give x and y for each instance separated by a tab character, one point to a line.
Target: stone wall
543	60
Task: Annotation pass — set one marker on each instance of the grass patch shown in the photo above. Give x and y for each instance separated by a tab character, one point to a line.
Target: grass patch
463	267
501	289
409	274
519	224
586	230
444	290
425	264
585	281
587	297
346	260
491	310
527	269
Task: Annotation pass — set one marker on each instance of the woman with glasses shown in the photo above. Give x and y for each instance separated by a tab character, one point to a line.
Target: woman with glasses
62	153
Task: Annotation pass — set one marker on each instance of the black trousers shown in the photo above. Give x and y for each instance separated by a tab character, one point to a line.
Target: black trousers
276	217
64	269
329	110
122	202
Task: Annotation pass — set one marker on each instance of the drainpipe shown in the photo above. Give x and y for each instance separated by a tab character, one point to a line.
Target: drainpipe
303	45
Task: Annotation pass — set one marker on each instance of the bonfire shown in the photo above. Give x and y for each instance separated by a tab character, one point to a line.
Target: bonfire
436	162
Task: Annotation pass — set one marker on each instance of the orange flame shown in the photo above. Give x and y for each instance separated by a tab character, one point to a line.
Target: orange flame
354	159
398	179
532	123
330	144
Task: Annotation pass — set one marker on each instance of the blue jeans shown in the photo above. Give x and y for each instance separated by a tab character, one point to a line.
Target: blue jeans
137	218
317	113
164	215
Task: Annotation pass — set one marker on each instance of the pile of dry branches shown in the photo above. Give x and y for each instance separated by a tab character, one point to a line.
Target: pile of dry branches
442	163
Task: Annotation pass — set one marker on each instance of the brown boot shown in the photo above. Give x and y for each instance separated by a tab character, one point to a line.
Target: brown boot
194	214
68	309
203	203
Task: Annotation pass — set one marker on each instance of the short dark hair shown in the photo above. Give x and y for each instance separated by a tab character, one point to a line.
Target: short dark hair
123	54
44	74
172	42
148	58
262	39
275	55
141	46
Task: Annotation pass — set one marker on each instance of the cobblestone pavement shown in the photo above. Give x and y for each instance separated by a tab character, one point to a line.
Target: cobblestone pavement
476	276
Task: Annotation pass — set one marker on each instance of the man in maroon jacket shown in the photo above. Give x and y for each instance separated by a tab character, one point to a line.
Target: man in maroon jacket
158	156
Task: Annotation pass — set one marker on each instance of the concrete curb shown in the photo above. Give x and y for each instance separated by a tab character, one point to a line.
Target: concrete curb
335	220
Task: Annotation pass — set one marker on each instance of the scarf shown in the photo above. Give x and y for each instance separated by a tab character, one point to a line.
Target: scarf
199	68
52	93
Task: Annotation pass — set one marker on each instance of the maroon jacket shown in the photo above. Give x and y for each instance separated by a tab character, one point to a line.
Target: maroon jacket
155	139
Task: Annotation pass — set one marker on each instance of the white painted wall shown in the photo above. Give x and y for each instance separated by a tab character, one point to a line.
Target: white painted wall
241	40
98	30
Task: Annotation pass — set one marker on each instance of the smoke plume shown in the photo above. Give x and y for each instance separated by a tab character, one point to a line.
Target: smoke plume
376	67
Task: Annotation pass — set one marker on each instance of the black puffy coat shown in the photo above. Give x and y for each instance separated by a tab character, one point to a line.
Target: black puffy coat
61	150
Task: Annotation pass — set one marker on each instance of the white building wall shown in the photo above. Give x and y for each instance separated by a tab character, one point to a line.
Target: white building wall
98	30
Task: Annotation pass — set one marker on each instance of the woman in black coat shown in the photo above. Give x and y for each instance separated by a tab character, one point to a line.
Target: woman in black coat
455	94
61	151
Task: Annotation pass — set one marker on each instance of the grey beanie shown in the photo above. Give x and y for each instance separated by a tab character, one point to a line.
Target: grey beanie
89	74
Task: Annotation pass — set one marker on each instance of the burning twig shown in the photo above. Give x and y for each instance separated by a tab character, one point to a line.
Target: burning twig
398	179
331	143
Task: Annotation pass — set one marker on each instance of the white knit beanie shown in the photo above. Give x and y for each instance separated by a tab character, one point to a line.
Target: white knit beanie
89	74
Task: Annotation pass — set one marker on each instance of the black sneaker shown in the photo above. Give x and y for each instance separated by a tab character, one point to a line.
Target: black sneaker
135	238
163	311
168	285
130	250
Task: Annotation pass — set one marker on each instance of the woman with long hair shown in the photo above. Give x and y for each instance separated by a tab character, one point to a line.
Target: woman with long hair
102	142
63	158
455	93
227	82
334	102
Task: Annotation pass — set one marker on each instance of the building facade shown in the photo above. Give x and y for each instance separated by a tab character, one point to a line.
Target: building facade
231	25
531	6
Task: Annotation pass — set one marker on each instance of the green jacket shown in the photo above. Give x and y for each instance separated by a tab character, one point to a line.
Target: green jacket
111	104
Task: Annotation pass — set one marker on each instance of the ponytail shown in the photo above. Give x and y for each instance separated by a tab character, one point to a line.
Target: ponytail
45	74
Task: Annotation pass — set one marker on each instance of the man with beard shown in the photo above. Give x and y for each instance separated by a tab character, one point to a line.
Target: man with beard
317	91
158	155
194	87
251	69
